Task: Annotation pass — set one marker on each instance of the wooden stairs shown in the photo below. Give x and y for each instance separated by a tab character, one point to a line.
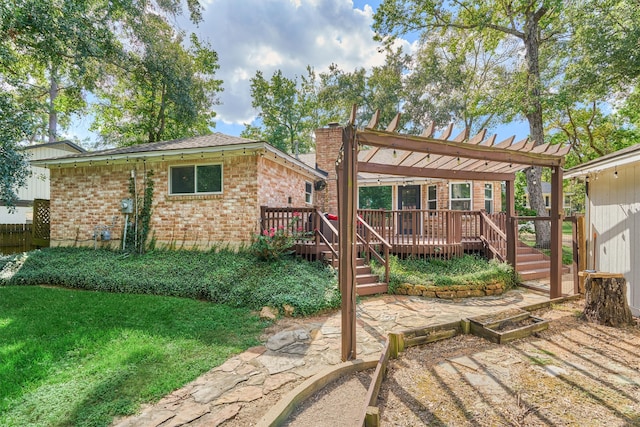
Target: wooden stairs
532	264
366	282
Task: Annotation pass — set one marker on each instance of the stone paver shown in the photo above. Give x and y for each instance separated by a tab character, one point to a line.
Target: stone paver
287	356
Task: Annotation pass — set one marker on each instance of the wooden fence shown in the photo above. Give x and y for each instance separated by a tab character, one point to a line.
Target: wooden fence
15	238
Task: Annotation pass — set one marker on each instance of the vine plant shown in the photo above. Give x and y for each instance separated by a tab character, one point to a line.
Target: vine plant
141	221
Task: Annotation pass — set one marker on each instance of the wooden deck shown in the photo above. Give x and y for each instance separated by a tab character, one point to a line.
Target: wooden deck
432	233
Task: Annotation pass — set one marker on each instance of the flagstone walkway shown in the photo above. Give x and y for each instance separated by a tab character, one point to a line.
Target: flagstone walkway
303	348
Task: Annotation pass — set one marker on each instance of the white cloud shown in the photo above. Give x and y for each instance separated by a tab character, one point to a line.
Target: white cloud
267	35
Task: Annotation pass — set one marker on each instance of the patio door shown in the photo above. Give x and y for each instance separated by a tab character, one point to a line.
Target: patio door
408	200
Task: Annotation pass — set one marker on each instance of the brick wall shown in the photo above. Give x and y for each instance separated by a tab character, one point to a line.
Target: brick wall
281	186
328	143
84	197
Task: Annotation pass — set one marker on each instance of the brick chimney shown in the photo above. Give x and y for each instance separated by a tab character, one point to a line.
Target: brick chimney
328	143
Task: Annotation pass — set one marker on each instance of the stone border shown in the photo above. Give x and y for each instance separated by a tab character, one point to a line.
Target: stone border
279	413
452	291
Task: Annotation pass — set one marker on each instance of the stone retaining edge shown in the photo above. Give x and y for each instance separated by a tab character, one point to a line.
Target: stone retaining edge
279	413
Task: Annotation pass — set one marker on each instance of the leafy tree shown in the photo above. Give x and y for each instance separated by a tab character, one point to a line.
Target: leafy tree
168	93
590	131
375	197
55	51
604	45
535	23
286	110
452	79
380	89
16	122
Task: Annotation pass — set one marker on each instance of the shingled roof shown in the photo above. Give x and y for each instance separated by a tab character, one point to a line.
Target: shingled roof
192	143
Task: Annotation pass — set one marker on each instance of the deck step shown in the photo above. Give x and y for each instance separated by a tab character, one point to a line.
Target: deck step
362	279
372	288
363	269
528	257
539	273
533	265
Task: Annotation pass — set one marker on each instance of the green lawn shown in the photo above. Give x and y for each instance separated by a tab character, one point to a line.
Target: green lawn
76	358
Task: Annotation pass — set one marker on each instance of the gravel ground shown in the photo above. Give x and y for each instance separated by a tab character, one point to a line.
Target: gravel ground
573	374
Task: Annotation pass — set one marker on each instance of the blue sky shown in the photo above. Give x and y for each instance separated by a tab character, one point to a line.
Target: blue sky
268	35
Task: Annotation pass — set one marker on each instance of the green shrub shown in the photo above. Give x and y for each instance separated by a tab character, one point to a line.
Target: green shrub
274	243
239	279
465	270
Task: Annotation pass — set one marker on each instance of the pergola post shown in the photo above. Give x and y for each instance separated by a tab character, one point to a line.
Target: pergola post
510	224
347	196
556	233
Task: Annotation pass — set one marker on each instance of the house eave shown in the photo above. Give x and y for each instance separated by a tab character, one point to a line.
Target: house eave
611	161
252	148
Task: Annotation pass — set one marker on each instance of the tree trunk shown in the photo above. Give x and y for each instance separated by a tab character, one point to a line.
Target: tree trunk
53	114
536	125
606	301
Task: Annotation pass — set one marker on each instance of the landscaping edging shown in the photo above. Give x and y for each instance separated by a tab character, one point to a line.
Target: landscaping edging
281	411
453	291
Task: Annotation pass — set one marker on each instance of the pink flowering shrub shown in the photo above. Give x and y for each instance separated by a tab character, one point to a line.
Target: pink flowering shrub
274	242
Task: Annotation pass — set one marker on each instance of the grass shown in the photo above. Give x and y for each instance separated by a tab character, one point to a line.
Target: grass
79	358
466	270
235	278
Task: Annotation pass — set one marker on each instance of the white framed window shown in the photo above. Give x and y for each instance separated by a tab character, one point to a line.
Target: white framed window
195	179
308	192
547	201
488	197
460	196
432	197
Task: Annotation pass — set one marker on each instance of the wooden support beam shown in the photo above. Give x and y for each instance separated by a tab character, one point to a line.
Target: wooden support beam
428	131
511	224
462	136
347	196
353	115
447	132
432	173
373	123
395	123
556	233
450	148
490	141
478	138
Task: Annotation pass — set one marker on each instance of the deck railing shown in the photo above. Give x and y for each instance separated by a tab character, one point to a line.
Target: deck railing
436	233
493	238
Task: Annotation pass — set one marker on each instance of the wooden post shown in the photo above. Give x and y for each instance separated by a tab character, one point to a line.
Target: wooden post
510	226
582	244
347	196
556	233
575	246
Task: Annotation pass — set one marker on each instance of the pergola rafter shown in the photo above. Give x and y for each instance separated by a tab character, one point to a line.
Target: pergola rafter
459	158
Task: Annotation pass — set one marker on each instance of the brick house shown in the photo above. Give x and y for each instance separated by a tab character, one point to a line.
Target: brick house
207	190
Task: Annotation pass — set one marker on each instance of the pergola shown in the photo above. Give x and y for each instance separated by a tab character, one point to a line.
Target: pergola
461	157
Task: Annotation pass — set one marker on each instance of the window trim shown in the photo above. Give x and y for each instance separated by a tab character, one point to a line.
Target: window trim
470	199
429	200
195	175
490	199
308	200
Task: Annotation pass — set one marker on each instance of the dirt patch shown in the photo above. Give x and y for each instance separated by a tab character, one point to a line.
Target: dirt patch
335	404
574	373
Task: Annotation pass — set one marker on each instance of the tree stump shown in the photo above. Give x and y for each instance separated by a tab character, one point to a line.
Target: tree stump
606	300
